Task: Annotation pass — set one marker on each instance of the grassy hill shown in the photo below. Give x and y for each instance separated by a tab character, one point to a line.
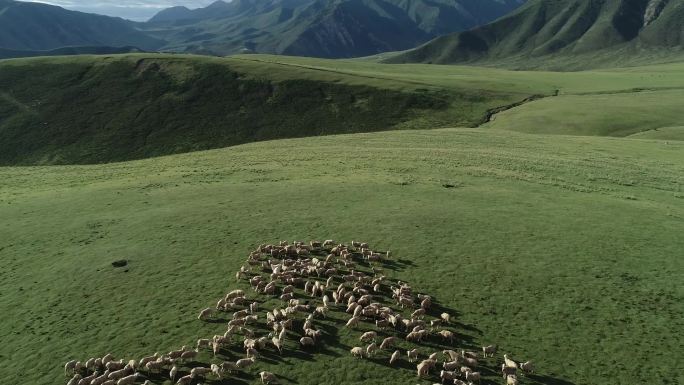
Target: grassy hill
29	26
94	109
567	35
562	249
334	29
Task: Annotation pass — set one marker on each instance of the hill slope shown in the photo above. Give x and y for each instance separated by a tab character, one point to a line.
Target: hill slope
565	33
541	239
41	27
99	109
320	28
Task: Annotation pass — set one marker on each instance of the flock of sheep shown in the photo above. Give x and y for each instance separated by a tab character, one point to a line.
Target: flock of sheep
310	280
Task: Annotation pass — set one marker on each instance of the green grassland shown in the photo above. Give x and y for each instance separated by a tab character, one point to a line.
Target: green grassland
605	114
562	249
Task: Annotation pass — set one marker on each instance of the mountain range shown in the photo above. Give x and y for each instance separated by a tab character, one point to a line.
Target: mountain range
320	28
564	33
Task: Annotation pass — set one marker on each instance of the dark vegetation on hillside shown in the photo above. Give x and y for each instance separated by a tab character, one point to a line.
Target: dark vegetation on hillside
91	111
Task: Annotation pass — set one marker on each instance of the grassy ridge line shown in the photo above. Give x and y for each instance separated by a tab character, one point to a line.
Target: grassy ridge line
607	114
568	239
496	79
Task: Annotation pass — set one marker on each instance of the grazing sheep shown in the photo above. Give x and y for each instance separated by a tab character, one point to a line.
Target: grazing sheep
473	377
423	369
511	380
217	371
144	360
154	366
244	362
87	380
453	356
353	322
188	355
446	375
267	377
129	380
252	353
470	362
203	343
205	314
306	342
75	379
230	367
527	367
395	356
451	365
368	336
489	350
69	367
445	317
507	371
185	380
412	355
388	342
278	343
371	349
357	352
509	362
173	372
119	374
447	335
199	371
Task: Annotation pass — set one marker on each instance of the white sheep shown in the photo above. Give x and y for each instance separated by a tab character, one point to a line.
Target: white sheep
69	367
527	367
129	380
388	342
75	379
199	371
489	350
306	342
353	322
412	355
267	377
509	362
244	362
357	352
371	349
473	377
205	314
395	356
368	336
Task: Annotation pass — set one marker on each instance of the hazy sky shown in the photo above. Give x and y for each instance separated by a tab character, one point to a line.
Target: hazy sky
139	10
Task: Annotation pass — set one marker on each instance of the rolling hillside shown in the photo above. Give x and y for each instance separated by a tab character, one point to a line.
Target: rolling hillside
566	34
560	249
94	109
41	27
334	29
